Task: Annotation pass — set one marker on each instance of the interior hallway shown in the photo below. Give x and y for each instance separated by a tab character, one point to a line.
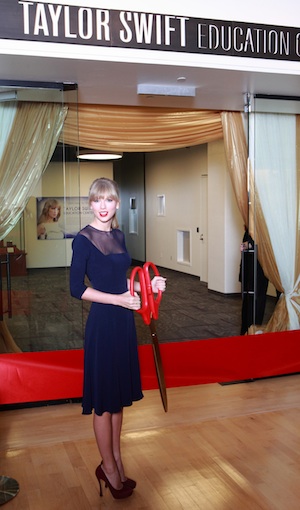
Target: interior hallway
46	317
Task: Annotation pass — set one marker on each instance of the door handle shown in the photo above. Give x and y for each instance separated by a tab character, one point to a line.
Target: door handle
201	237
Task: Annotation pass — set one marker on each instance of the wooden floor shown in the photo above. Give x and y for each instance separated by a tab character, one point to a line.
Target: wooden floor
233	447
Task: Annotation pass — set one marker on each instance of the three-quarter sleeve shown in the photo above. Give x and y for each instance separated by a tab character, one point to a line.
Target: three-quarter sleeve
80	247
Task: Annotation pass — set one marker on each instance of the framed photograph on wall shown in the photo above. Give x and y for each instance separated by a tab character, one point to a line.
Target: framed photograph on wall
61	217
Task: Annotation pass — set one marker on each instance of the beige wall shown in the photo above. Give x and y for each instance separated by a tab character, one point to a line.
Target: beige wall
225	225
177	175
71	181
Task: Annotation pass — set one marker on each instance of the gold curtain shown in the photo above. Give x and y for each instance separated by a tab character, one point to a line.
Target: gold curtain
30	140
29	146
236	154
139	129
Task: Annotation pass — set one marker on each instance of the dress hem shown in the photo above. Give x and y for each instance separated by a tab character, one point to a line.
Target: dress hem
88	412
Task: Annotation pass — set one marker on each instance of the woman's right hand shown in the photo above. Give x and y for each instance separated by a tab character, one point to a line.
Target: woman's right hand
129	301
41	229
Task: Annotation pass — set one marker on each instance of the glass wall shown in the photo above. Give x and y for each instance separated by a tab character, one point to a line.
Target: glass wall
37	310
38	313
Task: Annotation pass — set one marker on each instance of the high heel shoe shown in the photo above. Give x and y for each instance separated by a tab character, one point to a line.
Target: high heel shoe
129	483
122	493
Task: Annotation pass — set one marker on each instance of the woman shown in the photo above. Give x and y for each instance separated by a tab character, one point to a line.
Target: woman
48	226
111	366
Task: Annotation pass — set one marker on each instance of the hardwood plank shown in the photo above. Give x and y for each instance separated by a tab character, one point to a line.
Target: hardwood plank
232	447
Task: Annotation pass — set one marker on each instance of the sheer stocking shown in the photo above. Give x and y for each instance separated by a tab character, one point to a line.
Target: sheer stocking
107	428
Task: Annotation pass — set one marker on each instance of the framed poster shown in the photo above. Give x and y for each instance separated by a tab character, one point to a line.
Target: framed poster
61	217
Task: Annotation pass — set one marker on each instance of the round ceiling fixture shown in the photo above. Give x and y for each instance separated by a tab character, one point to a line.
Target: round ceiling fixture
93	155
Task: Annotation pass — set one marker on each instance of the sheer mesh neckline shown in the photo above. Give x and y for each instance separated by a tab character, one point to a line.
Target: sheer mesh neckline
108	242
98	230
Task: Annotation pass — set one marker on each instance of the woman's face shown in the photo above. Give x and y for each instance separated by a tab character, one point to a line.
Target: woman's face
53	212
104	209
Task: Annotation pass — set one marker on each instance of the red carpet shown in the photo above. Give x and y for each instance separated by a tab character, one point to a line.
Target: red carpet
57	375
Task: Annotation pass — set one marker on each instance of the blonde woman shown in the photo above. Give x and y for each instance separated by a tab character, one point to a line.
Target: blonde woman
111	365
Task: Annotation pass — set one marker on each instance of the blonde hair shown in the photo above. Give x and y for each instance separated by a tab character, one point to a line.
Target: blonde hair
49	204
104	187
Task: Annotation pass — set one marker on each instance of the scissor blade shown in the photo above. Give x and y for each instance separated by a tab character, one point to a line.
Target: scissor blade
159	366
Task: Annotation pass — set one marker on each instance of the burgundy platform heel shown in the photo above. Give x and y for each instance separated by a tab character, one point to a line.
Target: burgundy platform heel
122	493
129	483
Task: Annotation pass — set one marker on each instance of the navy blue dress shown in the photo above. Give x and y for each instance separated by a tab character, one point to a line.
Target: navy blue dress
111	364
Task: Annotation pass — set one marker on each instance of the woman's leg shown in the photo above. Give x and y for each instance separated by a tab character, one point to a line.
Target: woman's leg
105	427
117	421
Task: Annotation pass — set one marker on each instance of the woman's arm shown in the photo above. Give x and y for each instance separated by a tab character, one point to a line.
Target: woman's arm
157	283
126	300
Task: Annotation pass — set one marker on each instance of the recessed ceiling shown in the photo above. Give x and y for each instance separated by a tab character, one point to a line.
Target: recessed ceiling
117	83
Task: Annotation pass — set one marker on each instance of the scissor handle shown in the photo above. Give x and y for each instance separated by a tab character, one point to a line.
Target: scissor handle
144	311
150	304
153	302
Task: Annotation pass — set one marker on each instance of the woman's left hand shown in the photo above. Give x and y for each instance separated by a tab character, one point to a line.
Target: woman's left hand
158	283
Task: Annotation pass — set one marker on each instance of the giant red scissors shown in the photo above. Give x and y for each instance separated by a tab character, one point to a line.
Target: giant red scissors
149	313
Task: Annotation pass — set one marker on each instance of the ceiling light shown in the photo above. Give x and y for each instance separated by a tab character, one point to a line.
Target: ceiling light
92	155
166	90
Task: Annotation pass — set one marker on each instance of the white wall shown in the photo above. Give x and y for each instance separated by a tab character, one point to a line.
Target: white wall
234	231
268	11
177	175
225	225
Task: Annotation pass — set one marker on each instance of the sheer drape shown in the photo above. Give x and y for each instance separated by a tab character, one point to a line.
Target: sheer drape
139	129
7	115
276	185
274	201
28	138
